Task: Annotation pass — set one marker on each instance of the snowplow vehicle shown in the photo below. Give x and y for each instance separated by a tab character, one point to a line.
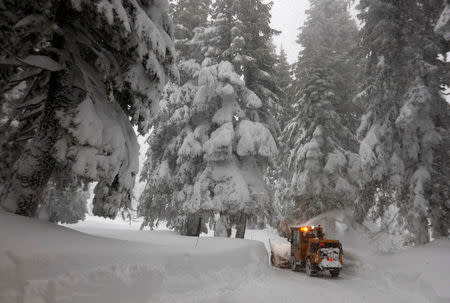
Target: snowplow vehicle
309	250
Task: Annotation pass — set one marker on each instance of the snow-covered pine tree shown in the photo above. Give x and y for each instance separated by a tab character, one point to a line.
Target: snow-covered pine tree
213	142
21	94
241	34
319	158
405	129
156	203
188	15
237	148
22	99
443	24
164	171
14	130
258	55
205	156
274	175
245	39
283	80
439	205
108	63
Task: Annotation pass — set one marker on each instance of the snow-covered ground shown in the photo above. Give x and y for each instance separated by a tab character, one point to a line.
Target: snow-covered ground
112	261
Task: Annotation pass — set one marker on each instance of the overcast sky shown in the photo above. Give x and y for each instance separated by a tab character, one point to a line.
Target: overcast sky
288	16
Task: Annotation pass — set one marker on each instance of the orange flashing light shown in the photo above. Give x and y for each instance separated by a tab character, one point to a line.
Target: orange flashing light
305	229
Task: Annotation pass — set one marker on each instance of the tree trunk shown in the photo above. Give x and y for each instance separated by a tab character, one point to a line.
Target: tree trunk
34	167
229	232
193	225
241	225
421	235
222	227
199	227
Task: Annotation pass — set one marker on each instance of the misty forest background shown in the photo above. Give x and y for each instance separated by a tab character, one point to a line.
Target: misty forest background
238	137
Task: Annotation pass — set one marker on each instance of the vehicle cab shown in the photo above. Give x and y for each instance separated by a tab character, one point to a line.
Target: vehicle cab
310	250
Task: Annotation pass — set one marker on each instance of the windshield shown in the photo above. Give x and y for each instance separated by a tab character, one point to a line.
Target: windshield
330	245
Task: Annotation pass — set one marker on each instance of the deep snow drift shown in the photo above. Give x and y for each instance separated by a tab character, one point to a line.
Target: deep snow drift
41	262
47	263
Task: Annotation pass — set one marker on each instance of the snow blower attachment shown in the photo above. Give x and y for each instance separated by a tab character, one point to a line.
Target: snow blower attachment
280	254
308	250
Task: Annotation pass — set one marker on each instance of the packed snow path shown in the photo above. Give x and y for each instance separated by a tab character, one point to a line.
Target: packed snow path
41	262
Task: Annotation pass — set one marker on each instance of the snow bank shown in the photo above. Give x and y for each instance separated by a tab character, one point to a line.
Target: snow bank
42	262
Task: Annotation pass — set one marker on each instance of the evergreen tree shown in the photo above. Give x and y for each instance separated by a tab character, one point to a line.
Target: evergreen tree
103	66
443	24
156	202
248	45
22	100
405	128
164	172
21	94
188	15
245	39
319	159
440	210
15	127
212	141
283	81
204	157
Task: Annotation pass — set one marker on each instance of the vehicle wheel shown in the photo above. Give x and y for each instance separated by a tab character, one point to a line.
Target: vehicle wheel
309	268
272	259
334	273
293	264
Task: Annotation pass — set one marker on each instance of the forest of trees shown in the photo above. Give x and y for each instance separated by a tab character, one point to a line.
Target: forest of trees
238	136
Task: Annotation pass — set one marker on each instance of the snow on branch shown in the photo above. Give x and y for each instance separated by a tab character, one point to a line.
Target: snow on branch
255	139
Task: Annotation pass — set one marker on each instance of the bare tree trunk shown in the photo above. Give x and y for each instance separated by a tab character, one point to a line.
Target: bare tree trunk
241	226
